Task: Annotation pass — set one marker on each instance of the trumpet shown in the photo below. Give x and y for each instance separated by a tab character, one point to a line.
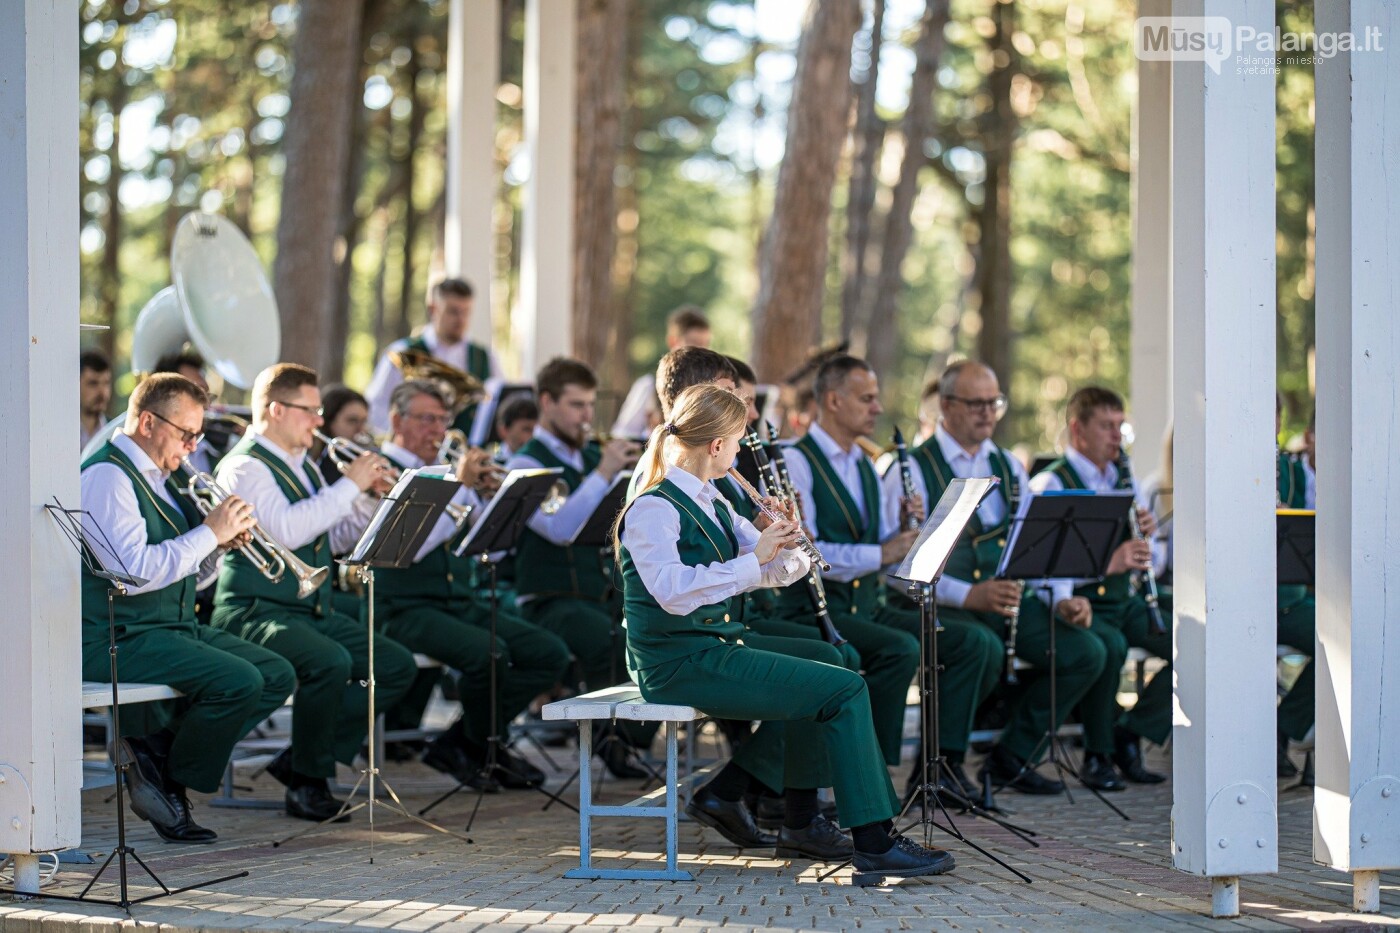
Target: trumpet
343	451
272	559
804	543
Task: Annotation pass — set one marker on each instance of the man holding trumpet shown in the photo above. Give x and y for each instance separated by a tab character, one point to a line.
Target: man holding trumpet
131	502
330	651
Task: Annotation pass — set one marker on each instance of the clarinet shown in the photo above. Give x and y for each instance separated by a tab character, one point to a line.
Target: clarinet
780	484
906	477
1013	502
1146	580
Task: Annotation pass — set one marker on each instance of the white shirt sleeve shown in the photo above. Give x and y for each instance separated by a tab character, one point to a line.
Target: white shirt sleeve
787	566
848	561
112	510
387	377
652	528
294	524
561	527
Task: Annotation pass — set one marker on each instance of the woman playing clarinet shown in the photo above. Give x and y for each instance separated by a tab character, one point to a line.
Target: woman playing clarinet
686	560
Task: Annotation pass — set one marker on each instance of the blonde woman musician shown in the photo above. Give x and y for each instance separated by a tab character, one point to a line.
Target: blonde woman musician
686	560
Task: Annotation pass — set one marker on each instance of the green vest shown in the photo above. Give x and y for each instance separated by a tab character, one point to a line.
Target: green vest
543	568
478	366
655	636
978	551
763	601
1292	494
168	607
836	518
440	576
241	583
1115	587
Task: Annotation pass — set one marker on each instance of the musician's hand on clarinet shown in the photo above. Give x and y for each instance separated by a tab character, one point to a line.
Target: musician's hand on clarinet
1075	611
229	520
912	507
1131	556
776	537
1001	597
1146	521
894	549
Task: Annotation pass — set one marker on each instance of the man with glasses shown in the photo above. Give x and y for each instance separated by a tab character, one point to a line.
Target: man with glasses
136	521
298	509
842	505
1111	609
970	404
434	607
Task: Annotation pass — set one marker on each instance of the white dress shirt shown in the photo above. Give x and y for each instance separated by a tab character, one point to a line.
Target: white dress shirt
1310	482
388	377
113	512
339	509
1094	480
950	590
561	527
445	528
650	534
848	561
633	418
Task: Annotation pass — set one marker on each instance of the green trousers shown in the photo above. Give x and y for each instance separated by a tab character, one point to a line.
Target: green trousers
1297	628
229	687
1120	625
733	681
847	655
587	627
1079	662
529	660
331	656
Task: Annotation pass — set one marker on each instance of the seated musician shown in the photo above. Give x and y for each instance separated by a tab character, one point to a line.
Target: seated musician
315	520
133	502
346	414
433	608
960	445
841	502
445	339
1297	607
565	589
686	326
685	559
515	425
1116	614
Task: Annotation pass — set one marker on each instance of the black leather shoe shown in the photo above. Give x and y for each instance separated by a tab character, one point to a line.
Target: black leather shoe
280	767
1127	755
1286	767
770	812
616	755
145	783
731	819
185	829
1098	773
905	859
821	841
1004	768
314	802
515	773
454	761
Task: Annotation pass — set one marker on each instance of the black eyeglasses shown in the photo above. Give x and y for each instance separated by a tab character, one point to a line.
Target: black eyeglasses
317	411
996	405
186	437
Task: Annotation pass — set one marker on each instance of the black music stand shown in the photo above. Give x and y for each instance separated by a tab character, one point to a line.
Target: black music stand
1297	547
96	551
393	539
496	533
1063	534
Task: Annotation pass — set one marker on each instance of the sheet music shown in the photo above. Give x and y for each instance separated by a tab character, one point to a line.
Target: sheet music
387	504
941	531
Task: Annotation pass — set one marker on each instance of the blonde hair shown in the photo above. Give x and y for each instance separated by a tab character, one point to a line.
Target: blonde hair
701	414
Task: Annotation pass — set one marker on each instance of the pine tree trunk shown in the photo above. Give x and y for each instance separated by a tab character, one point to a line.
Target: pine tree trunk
994	270
792	268
883	344
412	308
867	137
601	71
316	146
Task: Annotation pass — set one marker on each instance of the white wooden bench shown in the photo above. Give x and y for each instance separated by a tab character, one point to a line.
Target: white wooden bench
97	695
624	702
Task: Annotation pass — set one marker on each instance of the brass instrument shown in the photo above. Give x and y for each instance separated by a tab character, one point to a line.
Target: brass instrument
343	451
466	389
1146	580
272	559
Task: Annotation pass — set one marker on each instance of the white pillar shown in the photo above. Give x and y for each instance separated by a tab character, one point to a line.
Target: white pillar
40	726
1356	806
1152	255
544	319
1224	790
473	71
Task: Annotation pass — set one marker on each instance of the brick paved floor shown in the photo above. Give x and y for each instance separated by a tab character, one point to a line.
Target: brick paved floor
1092	871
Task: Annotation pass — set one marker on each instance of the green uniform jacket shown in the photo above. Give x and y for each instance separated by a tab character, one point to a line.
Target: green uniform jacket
978	551
1292	494
241	583
655	636
169	607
